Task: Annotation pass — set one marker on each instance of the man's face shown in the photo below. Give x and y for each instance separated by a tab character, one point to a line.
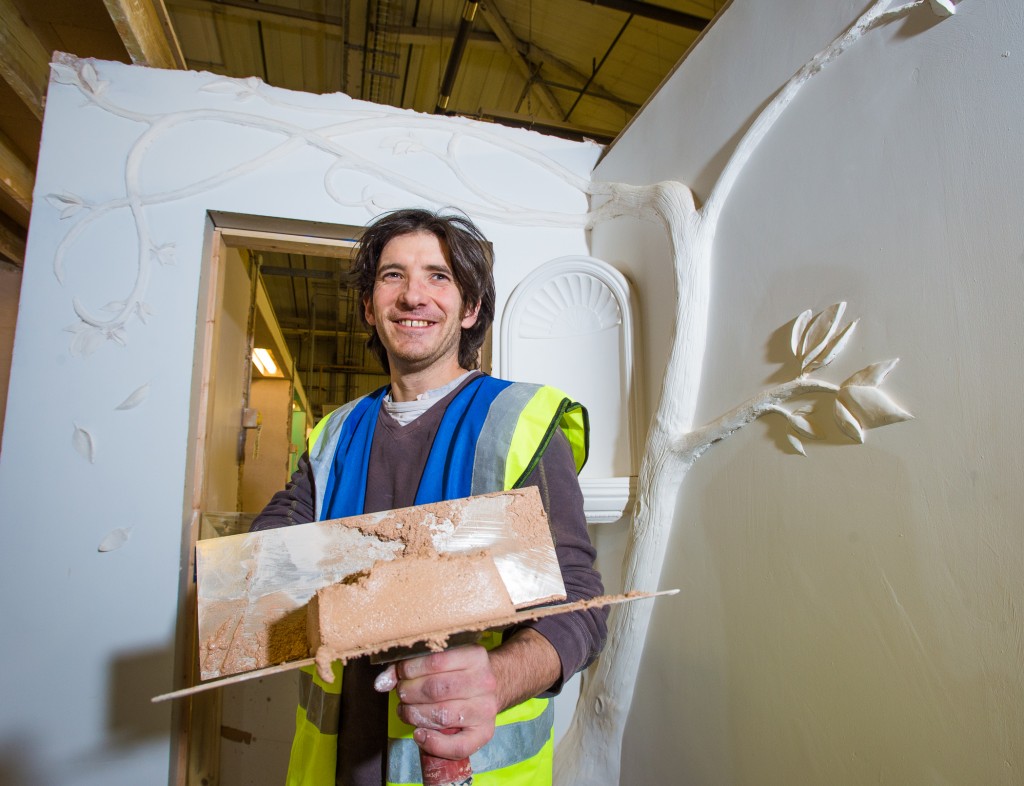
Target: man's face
416	306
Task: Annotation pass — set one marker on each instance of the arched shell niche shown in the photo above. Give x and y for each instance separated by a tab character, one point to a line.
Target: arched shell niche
570	324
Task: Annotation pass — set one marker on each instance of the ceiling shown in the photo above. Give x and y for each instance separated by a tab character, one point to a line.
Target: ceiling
577	68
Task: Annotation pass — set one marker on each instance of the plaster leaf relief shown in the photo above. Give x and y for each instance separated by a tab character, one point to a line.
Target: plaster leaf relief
84	443
115	539
67	204
856	407
589	753
136	398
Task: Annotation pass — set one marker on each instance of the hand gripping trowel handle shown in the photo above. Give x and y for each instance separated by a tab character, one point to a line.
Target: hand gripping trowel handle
436	771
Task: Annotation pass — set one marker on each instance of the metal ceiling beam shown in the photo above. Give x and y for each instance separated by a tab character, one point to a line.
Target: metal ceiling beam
458	49
537	53
583	90
24	61
293	272
508	40
552	127
325	23
146	31
254	9
594	91
655	12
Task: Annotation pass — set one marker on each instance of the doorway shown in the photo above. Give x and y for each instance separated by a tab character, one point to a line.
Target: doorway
279	346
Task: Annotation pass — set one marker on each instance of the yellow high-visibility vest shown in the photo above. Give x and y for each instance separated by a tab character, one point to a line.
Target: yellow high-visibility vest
516	432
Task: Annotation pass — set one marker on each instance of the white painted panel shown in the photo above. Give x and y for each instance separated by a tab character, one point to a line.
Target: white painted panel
852	616
133	158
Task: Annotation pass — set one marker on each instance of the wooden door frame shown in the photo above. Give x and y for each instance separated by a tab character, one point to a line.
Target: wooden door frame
195	719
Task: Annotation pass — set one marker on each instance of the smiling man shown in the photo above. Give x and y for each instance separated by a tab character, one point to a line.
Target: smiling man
442	430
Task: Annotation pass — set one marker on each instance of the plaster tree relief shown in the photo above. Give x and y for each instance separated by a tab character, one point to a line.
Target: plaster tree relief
589	754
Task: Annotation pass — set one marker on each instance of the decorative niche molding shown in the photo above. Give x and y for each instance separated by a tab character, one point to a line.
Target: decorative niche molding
570	324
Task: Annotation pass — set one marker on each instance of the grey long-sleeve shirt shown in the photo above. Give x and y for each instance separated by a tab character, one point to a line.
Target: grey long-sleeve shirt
398	456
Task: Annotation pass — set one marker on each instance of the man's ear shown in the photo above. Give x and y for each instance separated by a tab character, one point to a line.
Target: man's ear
469	316
368	311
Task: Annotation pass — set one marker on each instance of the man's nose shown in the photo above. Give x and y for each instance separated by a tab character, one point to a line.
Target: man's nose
413	292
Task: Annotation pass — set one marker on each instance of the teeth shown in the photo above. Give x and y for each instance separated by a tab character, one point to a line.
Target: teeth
414	322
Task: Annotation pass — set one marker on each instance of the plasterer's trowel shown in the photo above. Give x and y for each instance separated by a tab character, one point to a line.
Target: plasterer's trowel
253	588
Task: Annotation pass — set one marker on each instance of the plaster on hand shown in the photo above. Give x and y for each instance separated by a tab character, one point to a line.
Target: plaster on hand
386	680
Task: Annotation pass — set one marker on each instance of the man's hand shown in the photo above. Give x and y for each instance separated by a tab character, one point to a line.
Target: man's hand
466	687
454	689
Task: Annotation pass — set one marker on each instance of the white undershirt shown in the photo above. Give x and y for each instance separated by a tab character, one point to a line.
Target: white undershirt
405	412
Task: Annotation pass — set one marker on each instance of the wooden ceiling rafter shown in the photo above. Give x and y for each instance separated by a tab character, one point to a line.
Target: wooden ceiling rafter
24	61
595	90
12	247
512	46
16	178
146	31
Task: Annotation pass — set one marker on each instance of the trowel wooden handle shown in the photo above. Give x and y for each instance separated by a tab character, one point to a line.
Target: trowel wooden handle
445	772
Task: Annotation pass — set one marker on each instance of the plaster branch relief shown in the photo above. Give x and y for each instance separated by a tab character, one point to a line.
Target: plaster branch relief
589	754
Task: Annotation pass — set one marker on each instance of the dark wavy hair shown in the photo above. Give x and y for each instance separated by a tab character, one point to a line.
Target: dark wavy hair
464	247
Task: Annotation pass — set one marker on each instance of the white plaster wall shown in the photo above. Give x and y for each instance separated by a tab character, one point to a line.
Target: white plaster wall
90	635
853	616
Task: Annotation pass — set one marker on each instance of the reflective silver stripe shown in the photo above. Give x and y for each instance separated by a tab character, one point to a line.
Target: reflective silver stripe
322	709
321	455
511	744
496	436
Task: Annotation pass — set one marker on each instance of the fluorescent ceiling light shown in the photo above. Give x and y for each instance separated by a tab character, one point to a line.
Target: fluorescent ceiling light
263	359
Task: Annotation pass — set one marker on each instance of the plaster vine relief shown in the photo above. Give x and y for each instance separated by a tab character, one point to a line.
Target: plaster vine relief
402	134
